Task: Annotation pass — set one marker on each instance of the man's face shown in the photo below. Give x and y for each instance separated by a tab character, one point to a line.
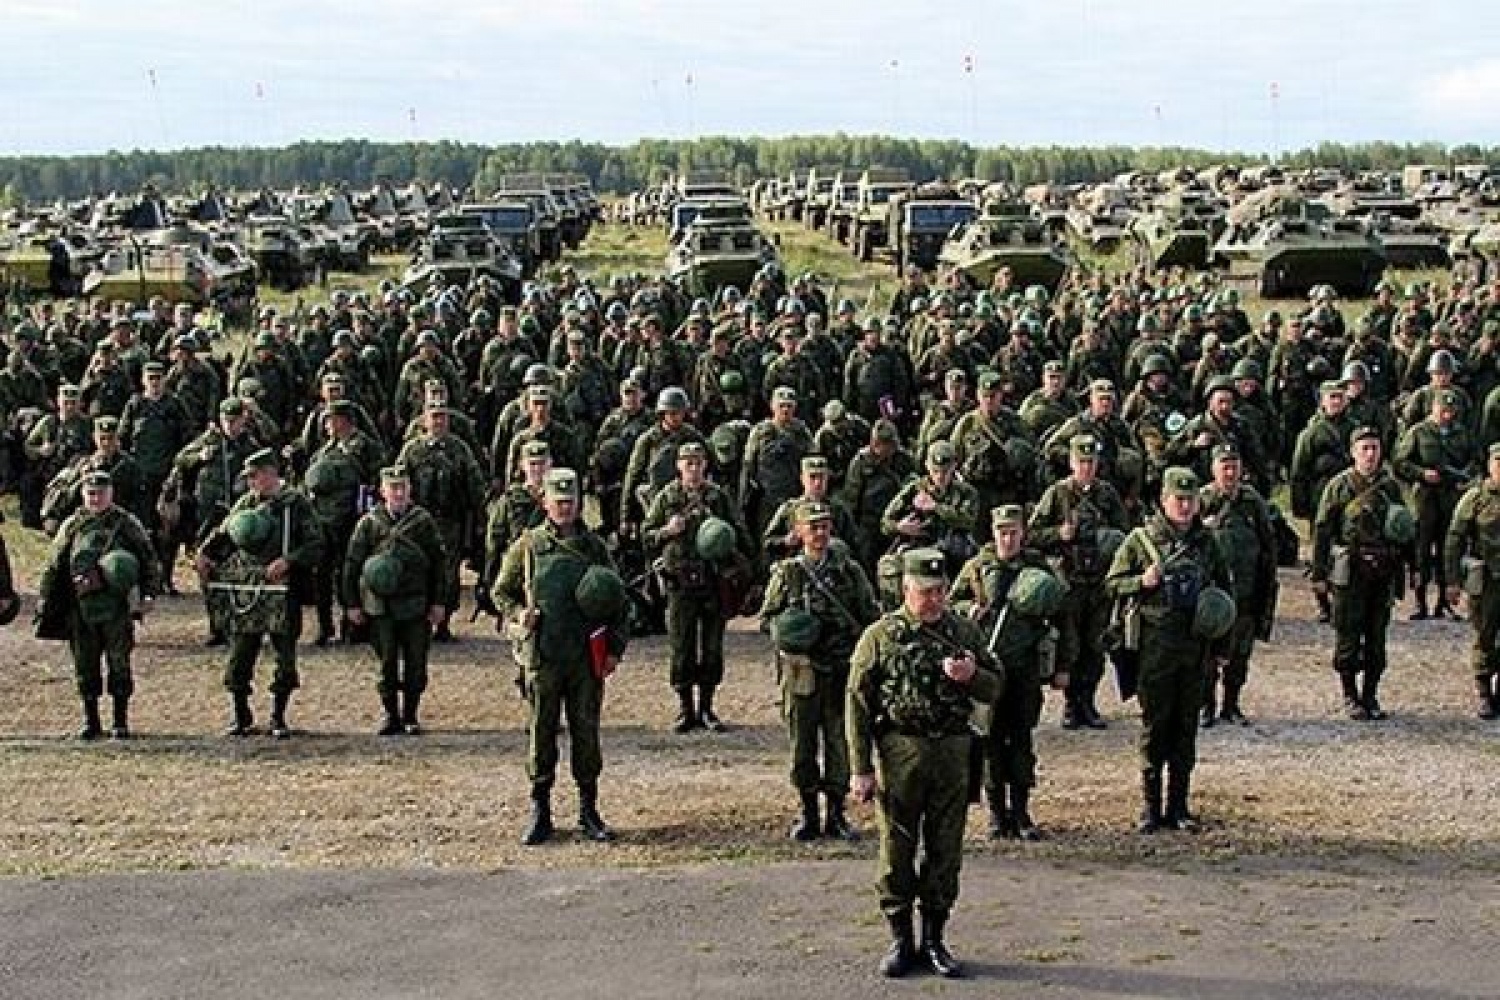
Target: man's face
691	469
673	419
1444	413
926	602
815	484
1008	540
941	475
1366	454
562	509
815	535
1053	382
1157	381
535	470
1334	403
630	399
1085	467
97	498
1228	473
265	480
1180	508
397	495
784	411
68	405
437	423
1101	404
1442	377
107	442
154	385
989	402
1221	404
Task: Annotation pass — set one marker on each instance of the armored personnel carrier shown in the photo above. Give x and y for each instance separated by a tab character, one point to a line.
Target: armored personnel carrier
1177	229
178	264
459	248
1007	234
1287	244
717	249
1099	216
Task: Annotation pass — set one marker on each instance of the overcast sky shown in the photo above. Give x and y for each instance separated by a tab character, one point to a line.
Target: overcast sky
89	76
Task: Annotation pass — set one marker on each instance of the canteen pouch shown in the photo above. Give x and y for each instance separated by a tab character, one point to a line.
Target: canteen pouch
800	677
1341	569
1181	590
1472	573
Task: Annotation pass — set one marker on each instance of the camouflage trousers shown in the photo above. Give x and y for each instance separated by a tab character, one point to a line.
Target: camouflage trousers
552	689
1434	510
1010	756
401	644
1484	612
453	557
1361	616
1080	640
1241	642
244	651
816	721
695	635
924	803
93	645
1171	693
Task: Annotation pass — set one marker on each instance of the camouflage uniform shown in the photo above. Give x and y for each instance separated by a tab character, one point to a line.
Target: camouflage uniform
337	476
1242	524
448	483
771	473
1450	451
995	456
869	487
1475	533
948	527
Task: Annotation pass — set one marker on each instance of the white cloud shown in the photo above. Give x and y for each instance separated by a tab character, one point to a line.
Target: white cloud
1466	94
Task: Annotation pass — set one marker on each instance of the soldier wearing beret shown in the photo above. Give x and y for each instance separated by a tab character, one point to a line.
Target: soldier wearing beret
393	581
1436	457
914	679
1474	537
1163	569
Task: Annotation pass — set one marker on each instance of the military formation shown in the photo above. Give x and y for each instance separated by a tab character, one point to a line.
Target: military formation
937	513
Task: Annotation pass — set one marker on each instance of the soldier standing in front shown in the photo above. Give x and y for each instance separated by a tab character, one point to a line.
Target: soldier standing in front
1472	554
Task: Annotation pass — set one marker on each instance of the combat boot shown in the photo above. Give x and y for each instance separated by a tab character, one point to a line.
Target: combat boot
119	728
92	728
1091	716
411	702
1150	800
589	820
1230	711
1000	825
539	827
326	632
1179	783
443	633
1420	614
706	717
935	950
687	715
1446	610
806	828
1484	698
1325	609
835	823
1206	713
1354	706
1370	697
1072	716
392	724
279	702
902	954
243	722
1020	814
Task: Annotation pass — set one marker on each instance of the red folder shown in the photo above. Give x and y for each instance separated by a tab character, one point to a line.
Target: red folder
599	654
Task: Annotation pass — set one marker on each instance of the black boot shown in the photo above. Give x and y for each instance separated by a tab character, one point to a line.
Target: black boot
902	954
391	726
119	728
443	633
835	823
1179	782
1369	697
706	717
243	722
1091	716
216	639
1421	613
935	950
92	728
1207	715
1484	698
411	702
279	701
539	828
807	827
1150	800
1072	716
1230	711
326	633
1325	609
589	820
1020	814
1000	824
1354	706
687	715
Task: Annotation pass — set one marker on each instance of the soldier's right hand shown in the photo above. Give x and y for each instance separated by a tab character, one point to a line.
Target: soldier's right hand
1151	579
864	787
1320	587
356	616
910	525
676	525
1455	594
1068	529
203	565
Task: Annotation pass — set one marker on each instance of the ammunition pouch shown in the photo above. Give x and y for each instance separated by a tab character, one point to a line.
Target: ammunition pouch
1180	589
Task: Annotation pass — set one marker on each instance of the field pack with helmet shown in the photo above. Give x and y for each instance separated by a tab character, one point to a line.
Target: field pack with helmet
240	598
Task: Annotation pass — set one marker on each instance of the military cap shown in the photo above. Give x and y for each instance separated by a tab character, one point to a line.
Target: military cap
340	408
97	480
428	338
791	331
1247	368
507	312
562	483
720	334
153	368
814	463
989	380
435	385
1225	451
1441	361
539	394
885	430
106	425
69	391
924	567
1447	398
1356	370
265	341
1364	432
186	342
248	388
437	408
1156	363
1084	446
691	449
1495	450
234	406
536	449
394	474
537	374
1180	482
1054	366
784	394
672	398
1101	387
941	453
1332	385
333	378
630	385
812	510
1007	514
955	376
1217	383
263	459
344	338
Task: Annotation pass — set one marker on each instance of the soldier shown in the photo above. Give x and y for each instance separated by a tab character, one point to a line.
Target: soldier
447	483
914	679
154	428
1436	458
773	456
193	382
990	589
65	491
796	371
1218	424
782	538
1355	518
519	507
393	576
538	589
937	511
1473	535
1361	408
98	555
337	478
994	449
612	445
822	580
270	538
1440	373
429	363
690	575
875	476
839	439
1078	520
1049	406
942	416
106	386
1322	452
654	456
1239	518
1163	569
877	378
565	442
1290	382
1120	461
55	442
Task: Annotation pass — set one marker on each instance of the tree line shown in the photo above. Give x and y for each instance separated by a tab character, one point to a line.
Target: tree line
361	163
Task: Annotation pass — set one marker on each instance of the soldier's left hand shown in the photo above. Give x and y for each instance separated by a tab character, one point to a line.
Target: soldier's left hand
960	668
923	501
1060	681
278	571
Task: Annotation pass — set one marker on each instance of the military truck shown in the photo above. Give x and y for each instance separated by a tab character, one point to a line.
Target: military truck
531	189
819	195
921	219
843	201
515	223
870	227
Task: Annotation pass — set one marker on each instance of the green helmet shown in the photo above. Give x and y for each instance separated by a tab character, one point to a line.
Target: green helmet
1156	363
1214	616
715	539
121	569
1036	592
732	381
672	398
381	574
1400	526
612	458
249	529
795	631
1020	454
600	594
725	443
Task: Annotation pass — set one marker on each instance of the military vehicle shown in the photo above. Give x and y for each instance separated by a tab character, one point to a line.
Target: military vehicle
514	222
920	221
870	227
330	215
394	229
843	202
793	196
1177	229
529	188
1007	234
716	245
1099	217
721	209
1407	239
30	258
178	264
1286	244
459	248
819	196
